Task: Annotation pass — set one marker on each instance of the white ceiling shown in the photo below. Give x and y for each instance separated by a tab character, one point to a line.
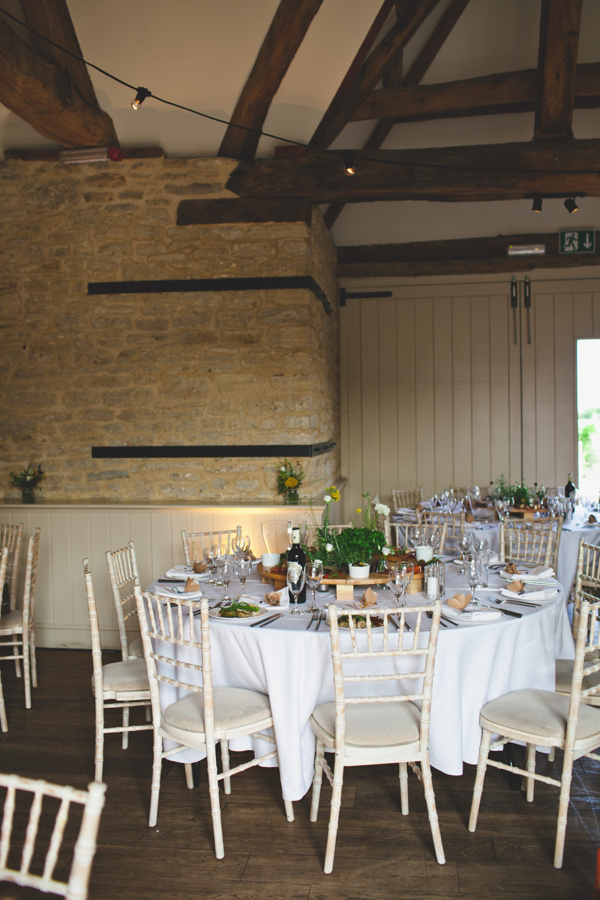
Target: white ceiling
199	53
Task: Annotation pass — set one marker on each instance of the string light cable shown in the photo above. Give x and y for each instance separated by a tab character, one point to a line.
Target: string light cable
141	93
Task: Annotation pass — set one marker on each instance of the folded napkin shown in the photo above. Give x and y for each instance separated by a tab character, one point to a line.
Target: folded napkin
540	573
369	598
471	615
516	586
533	596
183	572
493	559
182	593
280	599
406	511
191	586
459	601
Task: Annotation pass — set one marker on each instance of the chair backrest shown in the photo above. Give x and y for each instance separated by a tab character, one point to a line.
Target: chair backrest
94	631
170	621
587	662
124	575
11	537
455	522
536	543
389	644
33	550
426	531
406	499
197	544
3	567
23	794
587	576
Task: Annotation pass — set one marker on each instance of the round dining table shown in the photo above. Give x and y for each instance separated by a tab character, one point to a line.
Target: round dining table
290	660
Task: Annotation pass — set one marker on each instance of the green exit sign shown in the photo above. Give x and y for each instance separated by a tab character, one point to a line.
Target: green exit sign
582	241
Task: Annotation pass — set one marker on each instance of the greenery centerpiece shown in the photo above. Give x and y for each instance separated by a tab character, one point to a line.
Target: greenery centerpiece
28	480
356	545
519	495
289	480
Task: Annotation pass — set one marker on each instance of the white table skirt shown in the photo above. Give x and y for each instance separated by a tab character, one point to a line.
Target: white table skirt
474	664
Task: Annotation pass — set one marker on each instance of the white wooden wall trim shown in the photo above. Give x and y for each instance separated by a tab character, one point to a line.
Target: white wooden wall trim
431	383
71	532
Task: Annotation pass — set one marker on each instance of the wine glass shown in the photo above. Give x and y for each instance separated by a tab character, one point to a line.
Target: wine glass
225	569
399	578
295	581
242	568
464	543
471	570
219	553
241	544
211	562
314	577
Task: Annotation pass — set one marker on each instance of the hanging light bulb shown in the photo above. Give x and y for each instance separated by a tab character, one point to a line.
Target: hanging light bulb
141	95
349	160
570	205
537	204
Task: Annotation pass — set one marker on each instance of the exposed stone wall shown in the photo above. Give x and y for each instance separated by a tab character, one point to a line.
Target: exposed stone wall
256	367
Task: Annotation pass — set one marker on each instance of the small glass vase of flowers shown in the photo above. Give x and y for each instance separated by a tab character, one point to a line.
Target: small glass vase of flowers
289	480
28	480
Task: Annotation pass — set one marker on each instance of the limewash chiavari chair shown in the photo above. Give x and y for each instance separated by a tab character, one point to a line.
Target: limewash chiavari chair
409	499
118	685
11	537
206	714
197	544
124	575
547	719
17	628
587	576
455	523
92	800
533	543
374	730
3	566
439	531
564	667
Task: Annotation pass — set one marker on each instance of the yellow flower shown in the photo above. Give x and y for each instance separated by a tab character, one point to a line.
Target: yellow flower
291	482
358	510
334	493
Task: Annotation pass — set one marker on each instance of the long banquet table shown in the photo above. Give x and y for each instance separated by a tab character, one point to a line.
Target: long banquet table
475	663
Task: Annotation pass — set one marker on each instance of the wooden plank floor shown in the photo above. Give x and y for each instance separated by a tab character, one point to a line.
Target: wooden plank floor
380	853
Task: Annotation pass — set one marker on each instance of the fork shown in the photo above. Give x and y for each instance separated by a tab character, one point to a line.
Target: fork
498	601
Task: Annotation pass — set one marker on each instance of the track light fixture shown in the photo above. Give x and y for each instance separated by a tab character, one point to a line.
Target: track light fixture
82	155
142	94
349	160
537	204
570	205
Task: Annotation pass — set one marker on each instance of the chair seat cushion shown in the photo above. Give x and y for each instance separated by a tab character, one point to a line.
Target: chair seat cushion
235	708
564	674
372	724
128	675
136	649
541	714
11	620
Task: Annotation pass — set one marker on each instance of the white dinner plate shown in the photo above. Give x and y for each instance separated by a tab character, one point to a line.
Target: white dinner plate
468	616
235	620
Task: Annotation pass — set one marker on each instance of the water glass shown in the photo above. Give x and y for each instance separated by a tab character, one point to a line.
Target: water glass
242	568
399	578
314	577
471	570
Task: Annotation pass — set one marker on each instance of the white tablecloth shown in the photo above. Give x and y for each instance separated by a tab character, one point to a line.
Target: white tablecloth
474	664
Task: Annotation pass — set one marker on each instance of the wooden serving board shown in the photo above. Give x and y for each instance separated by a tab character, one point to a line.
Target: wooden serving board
279	581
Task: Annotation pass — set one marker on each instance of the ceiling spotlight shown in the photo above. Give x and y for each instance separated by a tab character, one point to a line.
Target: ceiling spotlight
537	204
142	94
526	249
83	155
349	160
570	205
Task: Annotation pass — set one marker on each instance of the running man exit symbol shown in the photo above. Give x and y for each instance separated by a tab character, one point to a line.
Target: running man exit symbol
582	241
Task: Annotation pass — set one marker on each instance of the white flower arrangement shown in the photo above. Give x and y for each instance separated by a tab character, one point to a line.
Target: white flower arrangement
329	547
381	509
327	498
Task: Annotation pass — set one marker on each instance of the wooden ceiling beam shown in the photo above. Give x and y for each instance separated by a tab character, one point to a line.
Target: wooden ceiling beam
557	61
285	34
472	173
456	257
52	19
431	48
484	96
45	96
411	14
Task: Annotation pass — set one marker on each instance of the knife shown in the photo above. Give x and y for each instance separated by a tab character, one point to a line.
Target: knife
172	581
270	620
507	612
263	621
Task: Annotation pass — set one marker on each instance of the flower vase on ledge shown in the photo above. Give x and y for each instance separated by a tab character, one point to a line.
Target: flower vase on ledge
28	495
291	498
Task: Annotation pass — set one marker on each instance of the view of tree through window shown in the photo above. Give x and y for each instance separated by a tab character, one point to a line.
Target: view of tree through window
588	415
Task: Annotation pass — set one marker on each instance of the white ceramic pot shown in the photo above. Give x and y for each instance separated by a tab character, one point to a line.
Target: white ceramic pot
424	553
359	571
